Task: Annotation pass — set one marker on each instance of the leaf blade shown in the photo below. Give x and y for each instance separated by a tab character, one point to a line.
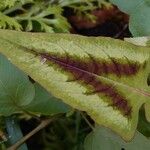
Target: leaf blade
28	49
16	89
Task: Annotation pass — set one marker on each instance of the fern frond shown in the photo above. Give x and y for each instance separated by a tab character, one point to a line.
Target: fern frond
49	18
8	22
7	3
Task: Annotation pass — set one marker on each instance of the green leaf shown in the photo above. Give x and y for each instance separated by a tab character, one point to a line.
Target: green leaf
46	104
16	91
104	139
105	77
8	22
139	12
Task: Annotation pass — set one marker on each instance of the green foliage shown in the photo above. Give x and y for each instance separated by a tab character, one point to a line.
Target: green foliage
67	133
139	12
105	139
28	51
143	124
86	4
36	19
7	3
18	94
45	16
8	22
84	7
46	104
16	90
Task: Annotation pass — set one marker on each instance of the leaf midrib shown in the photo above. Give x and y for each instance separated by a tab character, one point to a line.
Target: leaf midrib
34	51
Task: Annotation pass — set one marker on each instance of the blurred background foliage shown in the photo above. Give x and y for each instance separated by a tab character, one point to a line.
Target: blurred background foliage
43	15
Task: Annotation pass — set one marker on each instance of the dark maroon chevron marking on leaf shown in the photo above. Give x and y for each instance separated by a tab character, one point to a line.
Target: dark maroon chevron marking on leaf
86	71
102	67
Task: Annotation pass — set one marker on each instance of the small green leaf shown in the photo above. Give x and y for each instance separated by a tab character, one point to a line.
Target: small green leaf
46	104
105	77
105	139
16	91
139	12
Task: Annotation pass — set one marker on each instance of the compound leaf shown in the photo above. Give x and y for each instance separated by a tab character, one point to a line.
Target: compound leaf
105	77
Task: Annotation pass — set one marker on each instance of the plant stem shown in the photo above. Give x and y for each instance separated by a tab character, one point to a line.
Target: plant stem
16	7
87	121
42	125
7	11
78	122
2	136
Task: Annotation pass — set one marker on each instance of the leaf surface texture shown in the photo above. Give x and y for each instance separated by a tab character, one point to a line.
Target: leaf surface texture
107	78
